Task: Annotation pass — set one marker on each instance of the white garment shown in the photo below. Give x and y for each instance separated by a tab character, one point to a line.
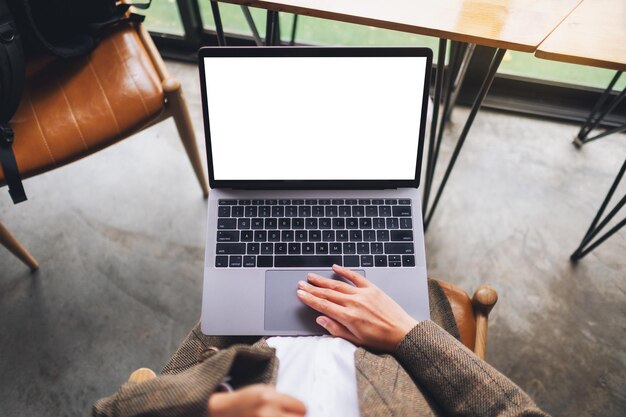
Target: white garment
320	372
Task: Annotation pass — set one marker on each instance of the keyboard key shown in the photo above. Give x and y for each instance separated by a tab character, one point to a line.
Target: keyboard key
223	211
257	202
369	235
271	223
245	202
221	261
280	248
391	201
278	211
227	202
247	235
356	235
307	261
273	236
325	223
358	211
378	202
227	236
315	235
297	202
401	211
253	248
321	248
336	202
291	211
325	202
402	235
311	223
351	261
237	211
371	211
249	261
408	260
230	248
407	202
264	261
376	248
251	211
395	261
243	223
271	202
256	223
349	248
406	223
339	223
342	235
267	248
294	248
226	224
265	211
284	223
365	223
398	248
260	236
334	248
362	248
328	235
317	211
332	211
365	202
304	211
351	202
302	235
352	223
310	202
384	211
345	211
367	260
297	223
378	223
234	262
380	260
284	202
382	235
392	223
308	248
287	236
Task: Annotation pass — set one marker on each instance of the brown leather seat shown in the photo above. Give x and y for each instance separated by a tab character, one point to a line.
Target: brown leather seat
73	108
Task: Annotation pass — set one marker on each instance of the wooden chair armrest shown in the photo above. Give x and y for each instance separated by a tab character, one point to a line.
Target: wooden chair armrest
142	375
483	301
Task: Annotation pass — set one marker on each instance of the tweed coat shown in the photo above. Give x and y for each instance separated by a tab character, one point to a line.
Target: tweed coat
431	373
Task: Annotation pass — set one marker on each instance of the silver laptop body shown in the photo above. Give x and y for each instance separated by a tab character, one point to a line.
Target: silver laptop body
314	158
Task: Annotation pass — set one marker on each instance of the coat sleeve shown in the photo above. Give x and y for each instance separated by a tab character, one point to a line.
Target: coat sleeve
458	380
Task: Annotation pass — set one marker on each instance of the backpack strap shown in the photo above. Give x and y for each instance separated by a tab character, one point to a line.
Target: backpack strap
12	75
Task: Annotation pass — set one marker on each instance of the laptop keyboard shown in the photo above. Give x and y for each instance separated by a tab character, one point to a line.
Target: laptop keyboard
314	233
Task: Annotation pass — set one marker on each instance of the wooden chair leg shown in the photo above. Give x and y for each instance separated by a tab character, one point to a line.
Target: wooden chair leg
11	243
483	301
178	106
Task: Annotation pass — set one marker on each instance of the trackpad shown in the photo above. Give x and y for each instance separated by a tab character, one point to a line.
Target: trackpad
284	312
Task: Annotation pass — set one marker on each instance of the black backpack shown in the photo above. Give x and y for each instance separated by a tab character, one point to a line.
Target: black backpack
65	28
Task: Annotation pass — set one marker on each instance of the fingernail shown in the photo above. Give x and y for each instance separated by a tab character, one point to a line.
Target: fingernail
300	293
322	321
301	284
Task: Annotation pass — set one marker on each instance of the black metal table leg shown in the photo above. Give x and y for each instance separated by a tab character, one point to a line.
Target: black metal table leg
292	42
596	225
255	32
482	92
219	29
272	31
459	76
598	113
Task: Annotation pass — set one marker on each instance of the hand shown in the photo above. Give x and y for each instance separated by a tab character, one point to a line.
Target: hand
259	400
362	314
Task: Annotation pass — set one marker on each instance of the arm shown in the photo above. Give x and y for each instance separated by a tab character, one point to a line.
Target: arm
459	381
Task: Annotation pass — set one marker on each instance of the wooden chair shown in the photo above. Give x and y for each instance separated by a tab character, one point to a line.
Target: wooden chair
470	314
71	109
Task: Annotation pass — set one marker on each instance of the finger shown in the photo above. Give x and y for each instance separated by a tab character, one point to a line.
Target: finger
336	329
291	404
356	278
330	295
332	284
322	305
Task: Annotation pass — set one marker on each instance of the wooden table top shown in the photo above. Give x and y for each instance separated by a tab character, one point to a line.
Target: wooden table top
593	34
520	25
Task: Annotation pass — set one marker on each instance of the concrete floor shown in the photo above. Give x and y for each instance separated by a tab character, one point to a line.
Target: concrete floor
120	238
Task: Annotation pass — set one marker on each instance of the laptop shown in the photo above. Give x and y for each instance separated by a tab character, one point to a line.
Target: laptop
314	159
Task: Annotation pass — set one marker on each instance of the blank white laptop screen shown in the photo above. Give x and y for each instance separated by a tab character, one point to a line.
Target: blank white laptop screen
314	118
